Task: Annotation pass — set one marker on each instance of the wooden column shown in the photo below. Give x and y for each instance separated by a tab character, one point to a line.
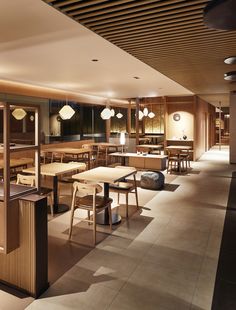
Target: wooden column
108	129
129	119
137	121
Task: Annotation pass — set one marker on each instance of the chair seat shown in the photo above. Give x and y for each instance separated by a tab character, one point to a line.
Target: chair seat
67	180
122	186
87	201
45	191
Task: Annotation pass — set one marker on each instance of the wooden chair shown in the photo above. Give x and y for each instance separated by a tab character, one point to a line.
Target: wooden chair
92	154
175	161
85	197
101	155
187	158
57	157
29	180
125	188
67	178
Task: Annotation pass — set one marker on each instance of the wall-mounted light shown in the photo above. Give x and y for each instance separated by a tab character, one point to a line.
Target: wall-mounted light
19	114
66	112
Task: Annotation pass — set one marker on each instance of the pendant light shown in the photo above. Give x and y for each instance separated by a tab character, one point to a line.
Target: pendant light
145	111
66	112
19	114
106	114
119	115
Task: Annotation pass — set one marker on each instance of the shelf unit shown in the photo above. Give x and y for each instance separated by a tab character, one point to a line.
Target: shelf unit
11	193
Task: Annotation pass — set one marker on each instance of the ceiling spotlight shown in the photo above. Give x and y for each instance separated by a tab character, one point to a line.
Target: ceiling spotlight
220	14
106	114
230	60
66	112
19	114
145	111
230	76
119	115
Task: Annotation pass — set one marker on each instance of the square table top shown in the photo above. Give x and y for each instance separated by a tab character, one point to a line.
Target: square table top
55	169
66	150
178	147
125	154
17	162
105	174
150	146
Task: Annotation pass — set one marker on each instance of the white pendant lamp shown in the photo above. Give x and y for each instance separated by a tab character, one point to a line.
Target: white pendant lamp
106	114
145	111
66	112
19	114
112	112
119	115
151	115
140	115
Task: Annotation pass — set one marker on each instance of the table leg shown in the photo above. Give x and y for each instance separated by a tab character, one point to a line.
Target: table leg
57	208
102	218
89	159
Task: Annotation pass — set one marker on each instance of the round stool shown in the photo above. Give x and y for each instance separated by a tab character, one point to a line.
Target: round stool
152	180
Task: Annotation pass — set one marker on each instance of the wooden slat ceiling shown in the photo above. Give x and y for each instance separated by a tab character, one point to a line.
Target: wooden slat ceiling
168	35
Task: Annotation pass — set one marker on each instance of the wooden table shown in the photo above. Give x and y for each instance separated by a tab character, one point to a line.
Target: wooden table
107	146
179	147
150	147
54	170
71	151
105	175
148	161
18	162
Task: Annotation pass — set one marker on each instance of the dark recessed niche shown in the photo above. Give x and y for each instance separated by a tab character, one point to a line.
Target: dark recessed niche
220	14
176	117
136	78
94	60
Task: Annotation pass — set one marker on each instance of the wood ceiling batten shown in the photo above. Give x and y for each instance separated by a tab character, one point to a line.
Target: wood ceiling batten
168	35
76	9
162	12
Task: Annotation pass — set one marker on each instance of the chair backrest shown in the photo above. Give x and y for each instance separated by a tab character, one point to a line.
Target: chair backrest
173	152
84	189
25	179
87	146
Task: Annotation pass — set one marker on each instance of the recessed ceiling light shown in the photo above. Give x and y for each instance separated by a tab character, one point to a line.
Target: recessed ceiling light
136	77
94	59
230	60
230	76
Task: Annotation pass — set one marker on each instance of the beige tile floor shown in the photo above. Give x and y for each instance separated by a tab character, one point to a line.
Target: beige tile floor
164	257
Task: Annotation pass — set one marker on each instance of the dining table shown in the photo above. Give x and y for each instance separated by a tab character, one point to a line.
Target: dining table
107	146
55	170
179	149
75	152
105	175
